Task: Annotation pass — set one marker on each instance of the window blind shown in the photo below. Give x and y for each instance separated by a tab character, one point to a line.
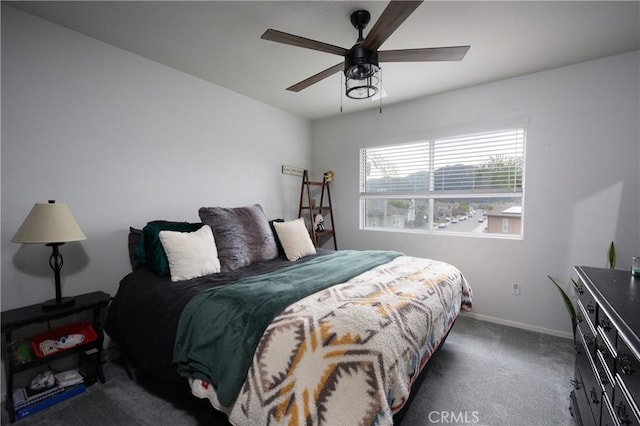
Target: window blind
486	162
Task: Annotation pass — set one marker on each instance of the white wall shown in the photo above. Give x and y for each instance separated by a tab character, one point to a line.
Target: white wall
582	180
123	140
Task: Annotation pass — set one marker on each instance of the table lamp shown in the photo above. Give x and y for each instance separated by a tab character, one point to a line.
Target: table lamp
52	224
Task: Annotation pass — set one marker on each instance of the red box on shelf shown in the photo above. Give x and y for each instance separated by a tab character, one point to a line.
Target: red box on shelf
83	328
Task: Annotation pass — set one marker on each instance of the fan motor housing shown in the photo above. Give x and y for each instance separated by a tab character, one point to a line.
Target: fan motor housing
360	63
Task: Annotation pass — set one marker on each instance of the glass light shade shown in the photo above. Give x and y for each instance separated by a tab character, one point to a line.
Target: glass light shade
49	223
362	88
361	71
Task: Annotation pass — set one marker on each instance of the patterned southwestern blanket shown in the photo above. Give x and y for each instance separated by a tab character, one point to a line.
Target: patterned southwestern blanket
348	354
235	316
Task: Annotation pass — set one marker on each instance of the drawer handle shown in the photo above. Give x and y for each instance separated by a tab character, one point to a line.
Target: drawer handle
600	345
579	318
594	396
625	364
588	340
621	413
603	377
580	290
590	308
605	324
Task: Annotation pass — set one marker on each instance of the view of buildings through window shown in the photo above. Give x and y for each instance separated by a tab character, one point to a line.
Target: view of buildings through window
470	184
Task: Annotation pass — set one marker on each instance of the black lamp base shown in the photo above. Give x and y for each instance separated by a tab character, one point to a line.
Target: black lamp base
53	304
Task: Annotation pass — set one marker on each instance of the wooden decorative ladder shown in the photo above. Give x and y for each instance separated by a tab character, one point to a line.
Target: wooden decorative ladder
309	210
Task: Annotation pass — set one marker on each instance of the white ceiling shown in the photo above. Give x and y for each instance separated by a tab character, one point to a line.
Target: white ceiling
220	42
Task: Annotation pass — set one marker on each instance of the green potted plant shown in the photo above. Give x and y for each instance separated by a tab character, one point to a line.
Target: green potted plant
567	302
612	256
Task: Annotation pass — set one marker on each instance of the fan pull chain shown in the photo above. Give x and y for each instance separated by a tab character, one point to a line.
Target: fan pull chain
380	89
340	93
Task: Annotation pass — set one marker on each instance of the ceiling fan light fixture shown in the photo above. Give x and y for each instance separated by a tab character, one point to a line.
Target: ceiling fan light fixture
363	77
361	73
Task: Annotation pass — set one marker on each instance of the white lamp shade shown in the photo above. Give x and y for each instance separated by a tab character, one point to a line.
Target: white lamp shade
49	223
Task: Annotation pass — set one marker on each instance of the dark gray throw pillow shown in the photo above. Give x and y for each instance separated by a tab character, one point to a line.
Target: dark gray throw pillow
242	235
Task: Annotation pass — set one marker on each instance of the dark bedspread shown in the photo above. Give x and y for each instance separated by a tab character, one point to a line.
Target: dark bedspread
144	315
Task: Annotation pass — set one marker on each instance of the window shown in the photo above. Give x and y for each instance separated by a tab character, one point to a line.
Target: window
470	184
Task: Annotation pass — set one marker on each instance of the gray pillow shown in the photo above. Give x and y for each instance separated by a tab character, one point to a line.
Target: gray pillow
242	235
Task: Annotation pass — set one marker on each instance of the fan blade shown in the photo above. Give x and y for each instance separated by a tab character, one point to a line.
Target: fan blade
432	54
316	78
294	40
394	15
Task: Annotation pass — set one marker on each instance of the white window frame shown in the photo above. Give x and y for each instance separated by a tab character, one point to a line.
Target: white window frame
432	196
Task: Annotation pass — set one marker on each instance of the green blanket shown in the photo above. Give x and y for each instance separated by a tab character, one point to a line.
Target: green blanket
220	328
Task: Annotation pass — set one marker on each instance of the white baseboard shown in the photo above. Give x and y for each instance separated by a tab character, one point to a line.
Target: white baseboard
521	325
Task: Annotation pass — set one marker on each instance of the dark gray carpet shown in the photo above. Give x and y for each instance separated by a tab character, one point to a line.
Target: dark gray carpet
485	374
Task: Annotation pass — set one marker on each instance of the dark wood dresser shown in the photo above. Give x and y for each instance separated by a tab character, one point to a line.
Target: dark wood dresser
607	370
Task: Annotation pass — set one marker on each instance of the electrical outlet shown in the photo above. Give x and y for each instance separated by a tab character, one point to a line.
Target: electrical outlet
515	289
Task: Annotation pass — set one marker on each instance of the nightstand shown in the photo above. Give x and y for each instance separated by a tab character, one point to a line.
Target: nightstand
17	318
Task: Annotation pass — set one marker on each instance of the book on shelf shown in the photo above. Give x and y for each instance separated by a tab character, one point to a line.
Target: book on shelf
22	397
49	399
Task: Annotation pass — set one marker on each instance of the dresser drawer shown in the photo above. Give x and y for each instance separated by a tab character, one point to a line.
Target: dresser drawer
605	353
628	368
606	329
604	366
624	408
587	338
592	387
580	406
608	414
587	309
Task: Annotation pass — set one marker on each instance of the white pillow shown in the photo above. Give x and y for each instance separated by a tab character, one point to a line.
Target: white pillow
190	254
294	238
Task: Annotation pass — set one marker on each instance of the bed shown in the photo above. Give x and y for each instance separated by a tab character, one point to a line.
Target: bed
281	332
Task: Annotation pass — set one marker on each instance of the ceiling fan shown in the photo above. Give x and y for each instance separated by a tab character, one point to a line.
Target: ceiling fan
360	65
